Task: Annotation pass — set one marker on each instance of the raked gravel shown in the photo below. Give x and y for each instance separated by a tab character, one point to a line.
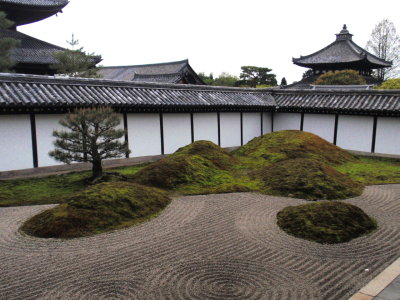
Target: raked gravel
224	246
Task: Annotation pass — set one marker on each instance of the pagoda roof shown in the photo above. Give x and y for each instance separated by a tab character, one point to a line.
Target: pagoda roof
169	72
342	51
31	50
28	11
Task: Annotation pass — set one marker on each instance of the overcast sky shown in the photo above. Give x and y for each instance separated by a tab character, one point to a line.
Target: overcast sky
215	35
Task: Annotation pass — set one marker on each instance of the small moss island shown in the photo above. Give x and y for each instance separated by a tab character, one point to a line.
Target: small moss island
100	208
325	222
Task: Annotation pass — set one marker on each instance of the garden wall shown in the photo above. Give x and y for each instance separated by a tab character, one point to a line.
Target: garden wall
25	140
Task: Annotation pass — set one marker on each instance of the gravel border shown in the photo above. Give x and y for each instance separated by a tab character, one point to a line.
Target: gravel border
224	246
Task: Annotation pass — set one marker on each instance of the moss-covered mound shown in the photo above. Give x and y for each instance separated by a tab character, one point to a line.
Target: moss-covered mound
325	222
100	208
201	167
307	179
290	144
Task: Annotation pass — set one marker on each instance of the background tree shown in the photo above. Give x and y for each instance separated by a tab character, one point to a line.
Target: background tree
76	62
209	80
385	43
253	76
390	84
92	136
283	81
344	77
308	73
6	45
225	79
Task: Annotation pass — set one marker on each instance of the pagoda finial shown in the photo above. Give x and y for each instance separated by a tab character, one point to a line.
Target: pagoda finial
344	34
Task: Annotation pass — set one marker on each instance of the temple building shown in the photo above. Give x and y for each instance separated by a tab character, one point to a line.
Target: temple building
171	72
32	56
342	54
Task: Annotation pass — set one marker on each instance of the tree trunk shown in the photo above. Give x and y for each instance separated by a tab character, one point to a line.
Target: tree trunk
97	168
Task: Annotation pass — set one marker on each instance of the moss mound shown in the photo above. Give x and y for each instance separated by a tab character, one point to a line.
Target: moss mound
100	208
201	163
290	144
307	179
325	222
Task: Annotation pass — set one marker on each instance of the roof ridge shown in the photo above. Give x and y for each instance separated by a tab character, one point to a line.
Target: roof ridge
145	65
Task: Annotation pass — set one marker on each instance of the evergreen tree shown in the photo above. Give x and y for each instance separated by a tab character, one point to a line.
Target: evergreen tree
6	45
253	76
209	80
91	136
76	62
283	81
225	79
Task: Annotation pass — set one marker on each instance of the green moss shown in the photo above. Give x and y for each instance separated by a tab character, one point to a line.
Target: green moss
291	144
307	179
43	190
372	170
100	208
325	222
199	168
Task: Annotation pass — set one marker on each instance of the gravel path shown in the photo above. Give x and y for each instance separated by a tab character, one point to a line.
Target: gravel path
201	247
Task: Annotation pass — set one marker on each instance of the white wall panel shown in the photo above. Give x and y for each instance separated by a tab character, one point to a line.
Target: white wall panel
355	132
287	121
206	127
15	142
144	134
251	126
230	129
388	136
321	125
177	131
267	125
45	124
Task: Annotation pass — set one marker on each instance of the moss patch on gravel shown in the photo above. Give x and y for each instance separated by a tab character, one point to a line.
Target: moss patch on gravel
100	208
307	179
325	222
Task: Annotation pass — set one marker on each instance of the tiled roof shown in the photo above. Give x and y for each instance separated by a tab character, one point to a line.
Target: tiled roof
343	50
128	72
31	50
166	78
31	91
380	102
47	3
162	72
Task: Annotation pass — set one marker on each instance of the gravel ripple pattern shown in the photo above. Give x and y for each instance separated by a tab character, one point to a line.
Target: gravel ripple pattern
215	247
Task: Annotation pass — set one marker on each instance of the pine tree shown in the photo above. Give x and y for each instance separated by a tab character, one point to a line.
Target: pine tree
283	81
91	136
76	62
6	45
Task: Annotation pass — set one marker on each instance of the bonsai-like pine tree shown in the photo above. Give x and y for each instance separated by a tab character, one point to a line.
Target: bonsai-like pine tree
6	45
344	77
92	136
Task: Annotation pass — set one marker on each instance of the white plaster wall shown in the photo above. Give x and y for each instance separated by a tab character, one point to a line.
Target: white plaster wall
355	132
15	142
230	129
388	136
45	124
251	126
267	125
321	125
287	121
206	127
144	134
177	131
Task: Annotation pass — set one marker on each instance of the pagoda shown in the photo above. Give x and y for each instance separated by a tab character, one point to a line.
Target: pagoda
32	56
342	54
